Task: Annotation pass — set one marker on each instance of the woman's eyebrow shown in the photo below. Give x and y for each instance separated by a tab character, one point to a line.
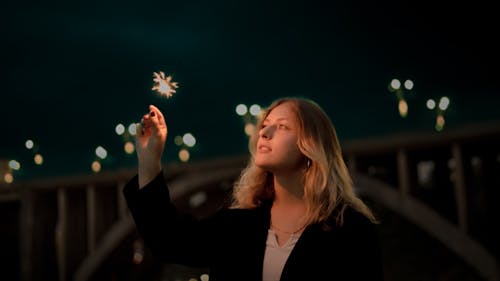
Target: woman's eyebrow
277	119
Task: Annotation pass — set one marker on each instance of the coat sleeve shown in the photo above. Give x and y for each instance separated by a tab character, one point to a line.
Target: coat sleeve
171	236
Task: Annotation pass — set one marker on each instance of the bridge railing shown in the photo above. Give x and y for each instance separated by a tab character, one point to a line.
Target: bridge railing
446	183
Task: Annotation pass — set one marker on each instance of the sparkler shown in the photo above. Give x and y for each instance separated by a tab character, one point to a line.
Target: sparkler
164	85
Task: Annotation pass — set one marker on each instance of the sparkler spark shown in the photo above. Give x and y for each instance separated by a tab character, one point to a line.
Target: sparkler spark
164	85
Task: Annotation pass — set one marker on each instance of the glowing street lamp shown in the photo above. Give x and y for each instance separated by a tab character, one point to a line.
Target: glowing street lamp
440	108
396	87
249	115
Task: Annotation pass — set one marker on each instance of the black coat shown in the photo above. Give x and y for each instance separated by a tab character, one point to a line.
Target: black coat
231	243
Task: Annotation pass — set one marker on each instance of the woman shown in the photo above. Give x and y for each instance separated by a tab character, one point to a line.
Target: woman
294	215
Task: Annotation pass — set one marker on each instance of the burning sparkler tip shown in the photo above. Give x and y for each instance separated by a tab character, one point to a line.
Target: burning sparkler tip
163	84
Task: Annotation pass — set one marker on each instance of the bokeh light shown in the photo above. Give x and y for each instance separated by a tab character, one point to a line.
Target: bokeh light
132	129
178	140
395	84
101	152
408	84
38	158
255	109
439	122
197	199
96	166
120	129
29	144
14	165
189	140
444	102
129	147
403	108
241	109
249	129
431	104
184	155
8	177
138	247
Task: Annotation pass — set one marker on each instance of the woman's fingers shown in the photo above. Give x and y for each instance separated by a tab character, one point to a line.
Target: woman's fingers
139	130
145	121
152	123
157	112
157	121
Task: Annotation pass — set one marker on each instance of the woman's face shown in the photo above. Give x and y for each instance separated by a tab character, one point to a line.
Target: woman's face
277	149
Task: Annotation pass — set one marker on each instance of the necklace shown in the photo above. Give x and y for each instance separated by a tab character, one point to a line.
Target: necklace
288	232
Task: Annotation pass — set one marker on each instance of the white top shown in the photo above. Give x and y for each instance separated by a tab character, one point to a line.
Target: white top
276	255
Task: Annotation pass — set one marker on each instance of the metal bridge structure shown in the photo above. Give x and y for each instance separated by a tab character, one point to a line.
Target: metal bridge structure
446	184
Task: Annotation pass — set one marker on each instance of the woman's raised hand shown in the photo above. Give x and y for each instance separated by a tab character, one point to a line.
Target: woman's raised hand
151	135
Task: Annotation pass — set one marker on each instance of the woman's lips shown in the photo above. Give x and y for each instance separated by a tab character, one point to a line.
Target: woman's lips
264	148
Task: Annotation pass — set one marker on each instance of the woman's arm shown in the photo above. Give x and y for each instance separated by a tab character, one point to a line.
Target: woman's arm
170	235
150	142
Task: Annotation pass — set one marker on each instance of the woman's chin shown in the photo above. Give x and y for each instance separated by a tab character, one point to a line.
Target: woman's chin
264	165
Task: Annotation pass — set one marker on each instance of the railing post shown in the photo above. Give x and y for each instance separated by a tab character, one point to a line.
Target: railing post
71	240
61	233
26	231
91	218
459	184
403	172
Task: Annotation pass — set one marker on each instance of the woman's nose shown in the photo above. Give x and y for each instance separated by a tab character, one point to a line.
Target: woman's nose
266	132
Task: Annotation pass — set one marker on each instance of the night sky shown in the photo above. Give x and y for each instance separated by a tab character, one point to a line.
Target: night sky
72	71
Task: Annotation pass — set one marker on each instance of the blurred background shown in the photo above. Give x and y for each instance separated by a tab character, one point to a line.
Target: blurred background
410	86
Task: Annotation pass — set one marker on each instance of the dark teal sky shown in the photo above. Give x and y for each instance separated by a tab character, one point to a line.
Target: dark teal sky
71	71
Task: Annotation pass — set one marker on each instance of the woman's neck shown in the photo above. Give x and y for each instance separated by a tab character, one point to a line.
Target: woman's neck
289	207
288	189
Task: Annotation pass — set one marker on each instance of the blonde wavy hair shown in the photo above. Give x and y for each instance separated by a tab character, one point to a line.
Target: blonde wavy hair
328	187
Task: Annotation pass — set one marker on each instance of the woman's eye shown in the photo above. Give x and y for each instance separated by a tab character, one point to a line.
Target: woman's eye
281	126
